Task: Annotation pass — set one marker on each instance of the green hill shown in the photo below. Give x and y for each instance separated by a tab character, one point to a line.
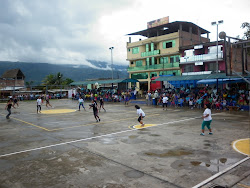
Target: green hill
36	72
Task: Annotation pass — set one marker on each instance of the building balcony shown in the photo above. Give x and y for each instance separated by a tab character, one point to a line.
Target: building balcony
201	58
196	73
145	54
153	67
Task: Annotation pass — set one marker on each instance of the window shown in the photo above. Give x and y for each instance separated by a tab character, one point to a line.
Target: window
169	44
138	63
131	62
175	59
202	67
164	60
135	50
211	66
139	76
189	68
128	49
172	59
153	74
150	61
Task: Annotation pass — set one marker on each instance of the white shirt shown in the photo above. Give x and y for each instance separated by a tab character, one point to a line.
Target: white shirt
165	99
191	102
209	117
140	112
39	101
80	101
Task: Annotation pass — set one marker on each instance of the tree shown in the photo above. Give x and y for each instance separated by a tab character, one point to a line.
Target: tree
29	84
59	79
56	79
246	25
67	81
49	80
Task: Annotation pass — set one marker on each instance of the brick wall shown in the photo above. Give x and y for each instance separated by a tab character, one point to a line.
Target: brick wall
5	83
234	60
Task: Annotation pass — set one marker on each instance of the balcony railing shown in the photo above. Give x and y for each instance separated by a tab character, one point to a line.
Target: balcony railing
155	52
152	67
203	57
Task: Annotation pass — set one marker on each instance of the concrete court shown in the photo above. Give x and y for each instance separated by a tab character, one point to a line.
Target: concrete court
83	153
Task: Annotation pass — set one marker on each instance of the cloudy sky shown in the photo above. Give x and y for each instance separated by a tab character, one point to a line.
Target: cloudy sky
71	31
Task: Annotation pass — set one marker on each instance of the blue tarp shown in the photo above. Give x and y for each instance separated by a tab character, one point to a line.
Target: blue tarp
220	81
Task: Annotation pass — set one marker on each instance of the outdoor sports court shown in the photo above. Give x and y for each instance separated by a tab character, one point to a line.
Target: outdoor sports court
64	147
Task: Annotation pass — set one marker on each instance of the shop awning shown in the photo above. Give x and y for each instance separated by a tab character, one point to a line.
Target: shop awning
220	81
192	77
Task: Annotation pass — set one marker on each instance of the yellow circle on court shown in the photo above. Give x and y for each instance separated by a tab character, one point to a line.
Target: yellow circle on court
242	146
141	127
57	111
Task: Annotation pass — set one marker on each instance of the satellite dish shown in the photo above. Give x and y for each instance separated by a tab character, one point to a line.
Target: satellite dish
222	35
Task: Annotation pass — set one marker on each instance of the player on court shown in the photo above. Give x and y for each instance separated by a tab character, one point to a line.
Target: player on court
8	107
47	101
38	105
80	101
95	110
141	115
15	102
207	119
102	104
164	102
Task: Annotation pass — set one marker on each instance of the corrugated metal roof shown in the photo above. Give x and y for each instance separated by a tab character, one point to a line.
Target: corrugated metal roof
194	77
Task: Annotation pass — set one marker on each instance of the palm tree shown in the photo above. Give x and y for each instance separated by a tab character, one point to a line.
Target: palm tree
49	80
59	79
29	84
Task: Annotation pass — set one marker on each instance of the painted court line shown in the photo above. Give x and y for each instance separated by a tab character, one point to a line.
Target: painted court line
236	149
84	139
29	123
220	173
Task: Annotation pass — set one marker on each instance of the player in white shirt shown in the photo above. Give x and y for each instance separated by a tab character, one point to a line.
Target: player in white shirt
141	115
38	104
207	119
164	102
80	101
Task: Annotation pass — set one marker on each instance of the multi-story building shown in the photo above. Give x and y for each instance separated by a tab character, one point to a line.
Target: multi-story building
10	81
202	59
159	53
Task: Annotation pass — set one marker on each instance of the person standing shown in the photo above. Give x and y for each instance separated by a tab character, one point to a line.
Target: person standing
95	110
156	96
164	102
141	115
207	119
38	105
102	104
15	101
8	107
80	101
148	96
47	101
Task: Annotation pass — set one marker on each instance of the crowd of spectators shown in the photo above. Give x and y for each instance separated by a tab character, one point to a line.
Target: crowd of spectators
178	97
197	97
220	99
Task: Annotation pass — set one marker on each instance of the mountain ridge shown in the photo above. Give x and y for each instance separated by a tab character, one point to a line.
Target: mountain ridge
36	72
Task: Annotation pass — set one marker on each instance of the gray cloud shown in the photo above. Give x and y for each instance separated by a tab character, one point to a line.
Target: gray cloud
53	31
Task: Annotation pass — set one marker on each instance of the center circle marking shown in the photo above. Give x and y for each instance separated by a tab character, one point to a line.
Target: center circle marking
57	111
